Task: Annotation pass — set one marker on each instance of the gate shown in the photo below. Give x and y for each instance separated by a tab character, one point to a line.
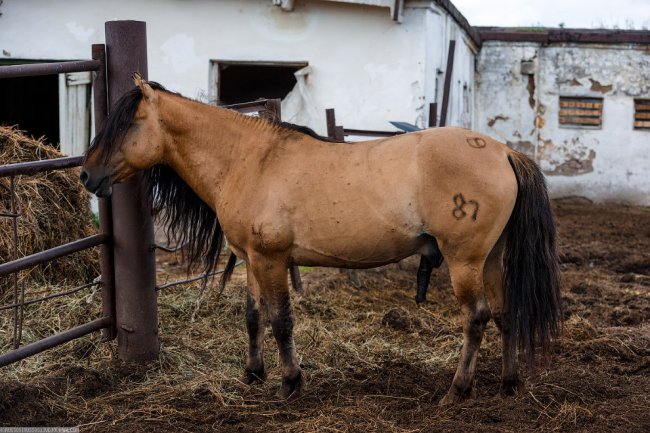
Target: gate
126	240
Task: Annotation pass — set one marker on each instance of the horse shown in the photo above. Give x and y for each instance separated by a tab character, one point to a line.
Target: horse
283	196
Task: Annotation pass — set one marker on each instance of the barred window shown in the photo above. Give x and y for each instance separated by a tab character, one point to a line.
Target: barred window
642	114
581	111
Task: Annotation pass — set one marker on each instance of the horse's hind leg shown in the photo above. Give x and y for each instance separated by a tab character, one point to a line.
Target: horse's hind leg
274	295
255	324
493	279
467	280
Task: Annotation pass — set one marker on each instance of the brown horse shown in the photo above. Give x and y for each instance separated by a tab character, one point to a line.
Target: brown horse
284	196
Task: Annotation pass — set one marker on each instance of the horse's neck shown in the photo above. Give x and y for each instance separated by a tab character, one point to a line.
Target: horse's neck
206	141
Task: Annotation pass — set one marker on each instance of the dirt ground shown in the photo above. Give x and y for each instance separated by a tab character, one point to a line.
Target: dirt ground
373	359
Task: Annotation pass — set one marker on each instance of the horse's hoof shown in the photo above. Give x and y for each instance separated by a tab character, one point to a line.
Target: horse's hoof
455	395
510	386
450	398
251	377
291	387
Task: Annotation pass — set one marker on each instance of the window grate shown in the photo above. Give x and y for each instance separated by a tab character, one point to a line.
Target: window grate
642	114
579	111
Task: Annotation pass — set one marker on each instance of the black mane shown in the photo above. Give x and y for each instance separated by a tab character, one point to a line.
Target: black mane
118	122
188	220
305	130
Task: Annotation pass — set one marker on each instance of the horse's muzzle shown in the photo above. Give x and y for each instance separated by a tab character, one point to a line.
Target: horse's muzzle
100	185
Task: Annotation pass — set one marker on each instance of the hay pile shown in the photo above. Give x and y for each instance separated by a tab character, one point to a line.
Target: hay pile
54	209
374	361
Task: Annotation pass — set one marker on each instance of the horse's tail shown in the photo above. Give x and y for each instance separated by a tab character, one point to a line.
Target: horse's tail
531	277
227	271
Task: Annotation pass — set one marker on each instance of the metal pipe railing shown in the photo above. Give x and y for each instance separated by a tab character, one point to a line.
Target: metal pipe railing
53	253
33	167
35	69
55	340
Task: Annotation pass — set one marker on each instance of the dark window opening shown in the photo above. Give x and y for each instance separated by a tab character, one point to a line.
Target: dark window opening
581	111
31	103
243	82
642	114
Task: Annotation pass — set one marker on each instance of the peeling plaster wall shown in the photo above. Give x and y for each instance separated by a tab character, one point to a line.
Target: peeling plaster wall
440	29
365	65
610	163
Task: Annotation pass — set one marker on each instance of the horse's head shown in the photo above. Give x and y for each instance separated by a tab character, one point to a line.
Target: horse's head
131	140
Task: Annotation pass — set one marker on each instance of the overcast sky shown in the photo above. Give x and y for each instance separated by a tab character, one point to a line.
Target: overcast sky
623	14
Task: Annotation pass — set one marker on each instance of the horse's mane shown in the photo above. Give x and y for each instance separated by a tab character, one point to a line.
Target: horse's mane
188	220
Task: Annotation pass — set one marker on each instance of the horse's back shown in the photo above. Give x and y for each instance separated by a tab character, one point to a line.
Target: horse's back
450	183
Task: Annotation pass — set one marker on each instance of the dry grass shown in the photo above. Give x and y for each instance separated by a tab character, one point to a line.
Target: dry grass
54	210
373	360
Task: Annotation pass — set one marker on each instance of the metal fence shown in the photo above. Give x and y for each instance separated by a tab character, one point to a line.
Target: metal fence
125	231
11	269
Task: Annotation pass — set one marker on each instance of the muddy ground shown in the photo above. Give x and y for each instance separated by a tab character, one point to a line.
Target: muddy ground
373	359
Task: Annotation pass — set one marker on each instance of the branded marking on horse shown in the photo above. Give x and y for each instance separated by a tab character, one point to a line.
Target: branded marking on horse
459	211
476	142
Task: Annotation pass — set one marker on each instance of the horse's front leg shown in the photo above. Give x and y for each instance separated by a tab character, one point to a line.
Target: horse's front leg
255	324
271	274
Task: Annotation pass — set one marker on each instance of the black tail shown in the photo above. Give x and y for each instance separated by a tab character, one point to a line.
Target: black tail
227	272
531	269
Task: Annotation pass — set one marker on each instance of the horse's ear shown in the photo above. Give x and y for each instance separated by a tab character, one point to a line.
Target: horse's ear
148	93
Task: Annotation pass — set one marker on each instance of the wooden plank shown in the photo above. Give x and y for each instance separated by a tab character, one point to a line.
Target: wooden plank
638	116
580	121
642	104
447	88
580	104
640	124
578	112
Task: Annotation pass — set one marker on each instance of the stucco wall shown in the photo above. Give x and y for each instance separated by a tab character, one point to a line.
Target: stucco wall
440	29
368	67
610	163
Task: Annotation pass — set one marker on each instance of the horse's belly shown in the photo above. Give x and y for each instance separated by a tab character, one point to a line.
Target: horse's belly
354	252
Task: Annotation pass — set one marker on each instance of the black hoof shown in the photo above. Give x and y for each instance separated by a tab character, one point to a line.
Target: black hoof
291	386
251	377
510	386
457	394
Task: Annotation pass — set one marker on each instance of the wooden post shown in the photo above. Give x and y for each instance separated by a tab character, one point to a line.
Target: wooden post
433	115
448	72
135	267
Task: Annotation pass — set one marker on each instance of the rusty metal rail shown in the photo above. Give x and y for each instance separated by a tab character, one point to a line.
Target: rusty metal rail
193	279
337	132
33	167
35	69
52	296
54	340
53	253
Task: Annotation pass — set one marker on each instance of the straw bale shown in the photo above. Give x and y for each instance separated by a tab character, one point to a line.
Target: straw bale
54	209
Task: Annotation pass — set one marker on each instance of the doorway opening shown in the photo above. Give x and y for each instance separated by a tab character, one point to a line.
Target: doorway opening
32	103
234	82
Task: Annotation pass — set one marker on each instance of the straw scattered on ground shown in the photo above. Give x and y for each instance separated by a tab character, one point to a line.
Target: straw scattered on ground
374	361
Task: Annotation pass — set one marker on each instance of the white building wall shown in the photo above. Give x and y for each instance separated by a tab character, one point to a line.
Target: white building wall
440	29
606	164
368	67
362	63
